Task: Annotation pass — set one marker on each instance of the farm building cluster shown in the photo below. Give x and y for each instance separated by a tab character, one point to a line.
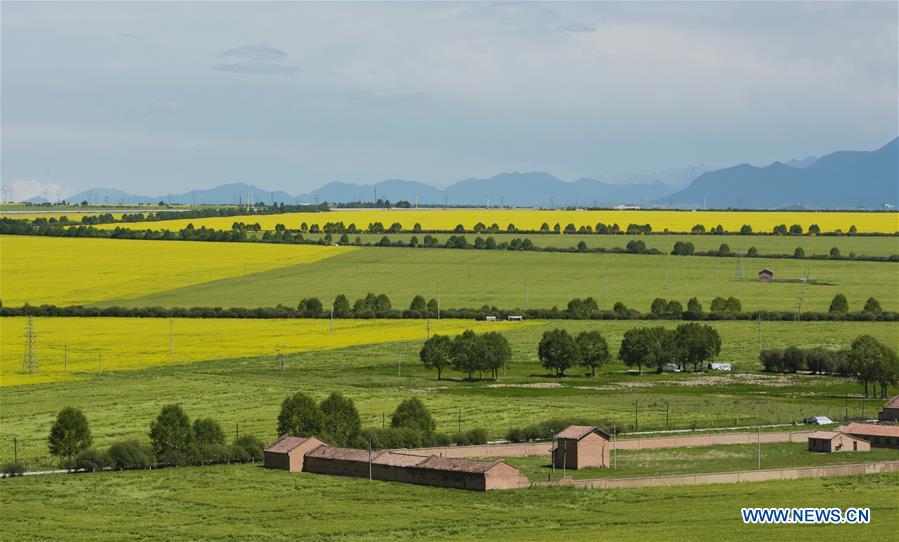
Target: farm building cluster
311	454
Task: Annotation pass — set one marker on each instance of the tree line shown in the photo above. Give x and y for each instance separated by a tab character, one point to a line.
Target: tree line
869	361
379	306
173	441
248	233
468	352
336	421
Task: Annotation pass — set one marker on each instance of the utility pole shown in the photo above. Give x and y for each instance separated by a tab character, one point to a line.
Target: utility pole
759	439
29	361
636	416
460	420
236	430
171	337
15	450
438	302
429	328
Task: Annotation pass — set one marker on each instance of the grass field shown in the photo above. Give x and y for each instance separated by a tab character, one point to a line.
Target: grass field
77	348
766	244
202	503
729	458
530	219
472	278
65	271
248	391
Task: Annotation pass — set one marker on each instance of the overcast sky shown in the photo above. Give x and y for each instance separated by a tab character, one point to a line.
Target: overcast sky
156	98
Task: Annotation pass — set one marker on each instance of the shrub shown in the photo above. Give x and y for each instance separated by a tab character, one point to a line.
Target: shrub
251	445
131	454
91	460
461	439
477	435
412	414
14	469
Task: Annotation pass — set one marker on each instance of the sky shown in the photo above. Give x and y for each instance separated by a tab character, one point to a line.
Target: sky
162	97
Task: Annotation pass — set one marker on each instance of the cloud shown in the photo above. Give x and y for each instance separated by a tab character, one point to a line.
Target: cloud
256	60
24	189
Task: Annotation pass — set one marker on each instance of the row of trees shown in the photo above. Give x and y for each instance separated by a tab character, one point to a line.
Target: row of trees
174	440
871	362
379	306
336	421
249	233
468	353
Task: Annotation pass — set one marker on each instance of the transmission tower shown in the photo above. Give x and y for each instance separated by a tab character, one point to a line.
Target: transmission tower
29	362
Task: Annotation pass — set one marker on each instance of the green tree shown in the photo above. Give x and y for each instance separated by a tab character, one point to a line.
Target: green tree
310	307
412	414
466	353
418	304
654	347
437	353
719	304
697	344
872	305
834	252
208	432
69	434
793	359
839	305
171	435
658	306
694	308
494	351
341	306
593	350
868	358
799	252
340	420
299	416
557	351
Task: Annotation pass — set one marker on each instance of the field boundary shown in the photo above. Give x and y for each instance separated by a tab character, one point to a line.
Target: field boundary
793	473
542	448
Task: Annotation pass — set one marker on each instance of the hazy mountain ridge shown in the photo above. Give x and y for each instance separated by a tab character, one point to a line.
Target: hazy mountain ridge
839	180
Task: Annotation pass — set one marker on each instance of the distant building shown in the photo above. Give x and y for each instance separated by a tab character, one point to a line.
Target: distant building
720	366
312	455
890	412
580	447
627	207
515	317
766	275
490	318
288	452
835	441
878	434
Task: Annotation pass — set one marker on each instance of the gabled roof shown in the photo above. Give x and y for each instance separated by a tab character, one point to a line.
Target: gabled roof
344	454
457	464
287	443
577	432
395	459
870	429
824	435
768	271
894	403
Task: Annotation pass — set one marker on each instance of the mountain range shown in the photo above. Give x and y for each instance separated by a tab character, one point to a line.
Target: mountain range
840	180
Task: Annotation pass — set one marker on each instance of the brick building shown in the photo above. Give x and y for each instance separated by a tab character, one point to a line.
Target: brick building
580	447
878	434
288	452
395	466
834	441
890	412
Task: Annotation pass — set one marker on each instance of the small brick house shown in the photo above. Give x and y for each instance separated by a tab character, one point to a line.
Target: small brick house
766	275
890	412
878	434
288	452
581	447
835	441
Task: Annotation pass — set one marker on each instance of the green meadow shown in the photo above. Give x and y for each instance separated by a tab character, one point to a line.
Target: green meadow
248	502
473	278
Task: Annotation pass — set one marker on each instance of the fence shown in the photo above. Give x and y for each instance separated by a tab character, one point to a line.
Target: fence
542	448
732	477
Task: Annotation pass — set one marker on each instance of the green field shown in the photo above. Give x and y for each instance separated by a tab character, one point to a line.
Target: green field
249	391
250	502
730	458
472	278
766	244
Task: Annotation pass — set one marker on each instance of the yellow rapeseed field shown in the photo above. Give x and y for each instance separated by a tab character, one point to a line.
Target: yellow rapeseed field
64	271
73	217
532	219
78	348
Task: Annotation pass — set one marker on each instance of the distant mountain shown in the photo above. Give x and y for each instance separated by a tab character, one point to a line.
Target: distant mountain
109	195
534	189
840	180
